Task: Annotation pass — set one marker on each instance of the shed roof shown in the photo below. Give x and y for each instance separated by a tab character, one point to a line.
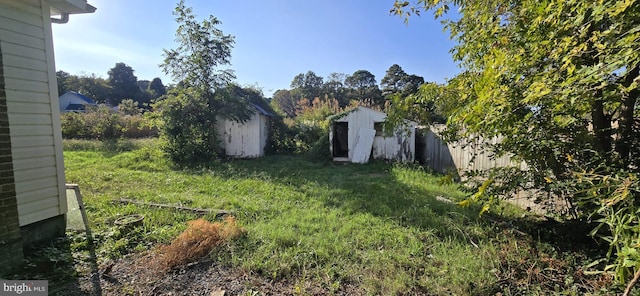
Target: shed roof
263	110
342	114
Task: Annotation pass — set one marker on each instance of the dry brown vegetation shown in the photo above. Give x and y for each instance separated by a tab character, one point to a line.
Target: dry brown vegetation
197	241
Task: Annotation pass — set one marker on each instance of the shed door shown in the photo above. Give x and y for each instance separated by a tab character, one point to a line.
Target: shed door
340	139
363	145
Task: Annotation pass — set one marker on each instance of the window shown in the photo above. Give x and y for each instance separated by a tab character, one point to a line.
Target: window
379	127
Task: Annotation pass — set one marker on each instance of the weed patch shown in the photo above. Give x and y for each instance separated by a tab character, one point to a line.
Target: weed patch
530	267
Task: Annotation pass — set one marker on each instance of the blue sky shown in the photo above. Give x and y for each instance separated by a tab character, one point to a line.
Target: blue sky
275	39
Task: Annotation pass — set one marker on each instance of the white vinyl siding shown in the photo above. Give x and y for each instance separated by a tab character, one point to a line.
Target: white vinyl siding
31	90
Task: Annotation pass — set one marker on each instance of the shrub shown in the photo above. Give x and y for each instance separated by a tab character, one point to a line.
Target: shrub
129	107
612	200
281	137
320	150
74	126
100	123
307	131
136	126
104	123
188	127
293	136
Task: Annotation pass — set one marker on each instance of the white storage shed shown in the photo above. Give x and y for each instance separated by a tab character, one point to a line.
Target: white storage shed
357	134
246	139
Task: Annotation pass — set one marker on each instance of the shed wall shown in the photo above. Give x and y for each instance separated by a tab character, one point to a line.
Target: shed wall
397	147
244	139
33	109
264	133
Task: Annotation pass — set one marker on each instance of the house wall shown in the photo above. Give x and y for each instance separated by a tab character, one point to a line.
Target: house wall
33	111
243	140
399	147
70	98
10	238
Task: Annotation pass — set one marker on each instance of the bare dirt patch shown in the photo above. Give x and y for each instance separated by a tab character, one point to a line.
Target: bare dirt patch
135	275
182	268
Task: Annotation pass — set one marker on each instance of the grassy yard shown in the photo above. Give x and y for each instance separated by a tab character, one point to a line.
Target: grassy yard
377	227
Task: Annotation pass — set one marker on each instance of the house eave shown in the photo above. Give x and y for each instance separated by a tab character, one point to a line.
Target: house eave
62	7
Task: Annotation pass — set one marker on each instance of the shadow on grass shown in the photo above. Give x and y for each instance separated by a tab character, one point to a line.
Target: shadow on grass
567	236
376	188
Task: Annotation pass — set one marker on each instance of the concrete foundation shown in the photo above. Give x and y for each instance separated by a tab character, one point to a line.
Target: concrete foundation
43	232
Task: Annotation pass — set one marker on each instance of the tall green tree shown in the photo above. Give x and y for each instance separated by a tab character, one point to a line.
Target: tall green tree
362	85
361	79
202	51
95	87
62	78
124	84
157	87
92	86
397	81
393	80
145	96
143	84
558	81
412	83
307	85
334	87
192	108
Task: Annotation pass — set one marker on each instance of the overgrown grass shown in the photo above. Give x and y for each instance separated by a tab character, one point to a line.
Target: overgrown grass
378	227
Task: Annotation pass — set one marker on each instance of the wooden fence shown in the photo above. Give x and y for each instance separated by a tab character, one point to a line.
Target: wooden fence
465	155
471	154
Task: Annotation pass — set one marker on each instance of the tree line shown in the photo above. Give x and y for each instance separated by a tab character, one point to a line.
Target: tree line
359	86
120	84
